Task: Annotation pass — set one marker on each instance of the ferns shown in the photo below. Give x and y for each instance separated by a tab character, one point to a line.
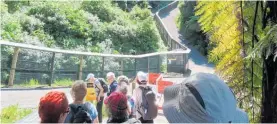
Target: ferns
233	39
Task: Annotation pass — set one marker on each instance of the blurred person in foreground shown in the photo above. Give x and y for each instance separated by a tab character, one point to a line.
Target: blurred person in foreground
202	98
81	111
118	109
123	87
53	107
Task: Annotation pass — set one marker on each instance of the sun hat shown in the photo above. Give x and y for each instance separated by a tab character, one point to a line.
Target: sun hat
117	104
90	75
241	116
201	98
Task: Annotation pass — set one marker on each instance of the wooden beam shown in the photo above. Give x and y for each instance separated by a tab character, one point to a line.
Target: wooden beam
103	65
122	67
159	65
13	67
52	69
81	67
148	65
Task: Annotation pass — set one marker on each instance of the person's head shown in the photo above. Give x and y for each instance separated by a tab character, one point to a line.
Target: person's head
117	105
79	90
110	77
201	98
123	87
141	78
122	79
53	107
90	77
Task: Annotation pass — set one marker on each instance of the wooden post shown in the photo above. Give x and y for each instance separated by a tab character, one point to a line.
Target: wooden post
135	66
184	63
13	67
81	67
148	65
103	65
52	69
166	62
122	66
159	66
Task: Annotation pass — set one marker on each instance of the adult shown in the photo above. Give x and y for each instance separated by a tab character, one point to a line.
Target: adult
201	98
99	93
145	100
53	107
118	109
79	107
123	84
112	82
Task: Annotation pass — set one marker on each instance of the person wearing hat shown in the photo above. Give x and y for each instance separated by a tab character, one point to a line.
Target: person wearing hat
118	109
141	80
53	107
202	98
99	93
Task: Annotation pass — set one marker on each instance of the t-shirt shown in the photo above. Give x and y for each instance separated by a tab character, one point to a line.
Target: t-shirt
112	87
90	109
96	84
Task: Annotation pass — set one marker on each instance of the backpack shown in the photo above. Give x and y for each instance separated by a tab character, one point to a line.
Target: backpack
148	109
79	114
104	85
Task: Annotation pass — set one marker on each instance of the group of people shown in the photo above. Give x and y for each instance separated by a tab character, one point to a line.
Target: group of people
201	98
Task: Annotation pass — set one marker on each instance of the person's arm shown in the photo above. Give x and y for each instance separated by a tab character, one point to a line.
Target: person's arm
95	121
129	108
101	93
93	112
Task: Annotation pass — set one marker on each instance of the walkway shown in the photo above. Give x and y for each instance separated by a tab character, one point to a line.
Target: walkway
197	62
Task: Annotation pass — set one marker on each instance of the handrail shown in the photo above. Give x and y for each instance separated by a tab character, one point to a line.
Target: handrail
171	42
29	46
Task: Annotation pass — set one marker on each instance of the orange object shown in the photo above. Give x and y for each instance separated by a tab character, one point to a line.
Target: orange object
162	85
152	77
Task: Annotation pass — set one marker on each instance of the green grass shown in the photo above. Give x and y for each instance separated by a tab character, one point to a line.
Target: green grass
13	113
63	82
35	83
32	83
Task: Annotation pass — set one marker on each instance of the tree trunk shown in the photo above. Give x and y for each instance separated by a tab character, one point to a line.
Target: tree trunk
269	88
13	67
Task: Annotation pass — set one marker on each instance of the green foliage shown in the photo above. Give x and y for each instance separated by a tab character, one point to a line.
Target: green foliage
15	5
187	23
32	82
232	40
63	82
13	113
81	25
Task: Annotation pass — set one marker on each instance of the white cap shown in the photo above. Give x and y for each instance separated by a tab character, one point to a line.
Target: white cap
141	76
90	75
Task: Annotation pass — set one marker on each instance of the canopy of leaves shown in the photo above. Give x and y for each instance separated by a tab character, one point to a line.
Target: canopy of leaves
71	25
189	27
235	29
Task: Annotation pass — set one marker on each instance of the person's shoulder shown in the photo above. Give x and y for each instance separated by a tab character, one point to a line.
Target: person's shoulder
89	105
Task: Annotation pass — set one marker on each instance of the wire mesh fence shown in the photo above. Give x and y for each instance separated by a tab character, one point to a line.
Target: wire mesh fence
46	66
